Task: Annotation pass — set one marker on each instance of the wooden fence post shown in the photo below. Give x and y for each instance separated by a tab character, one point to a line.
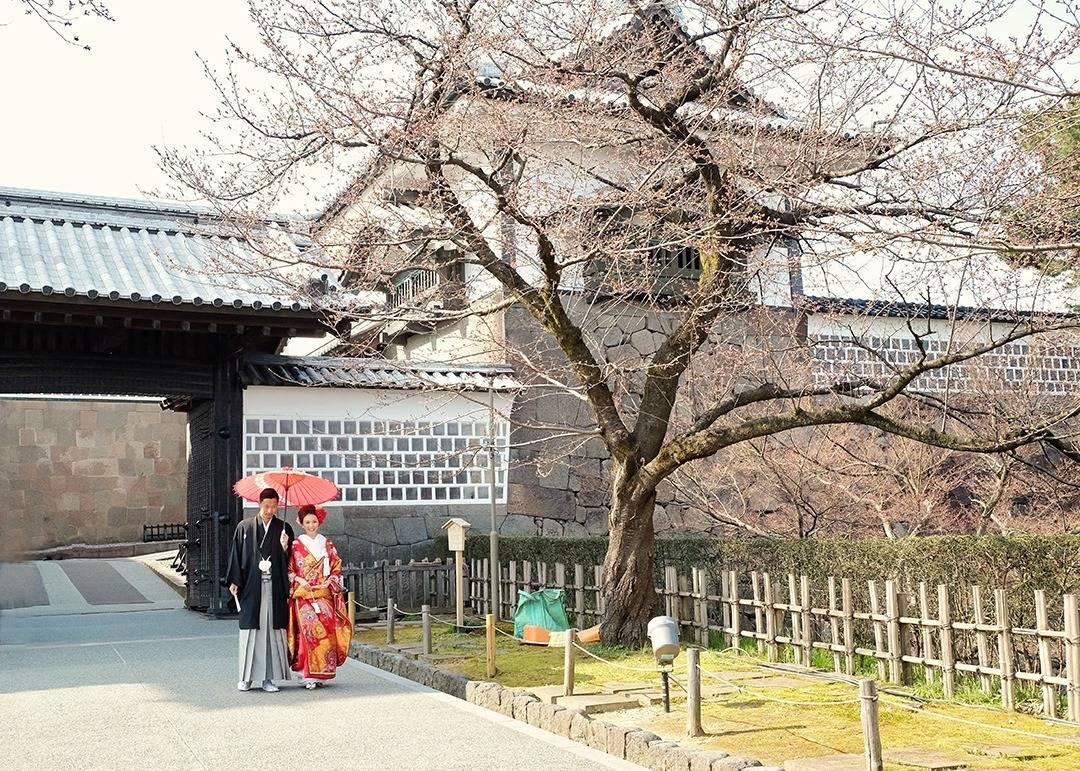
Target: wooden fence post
701	605
945	643
1005	651
671	587
389	620
568	662
903	610
725	609
512	591
579	595
879	634
834	625
868	713
796	621
981	640
693	694
598	573
440	593
925	637
425	618
352	608
489	624
736	611
892	611
459	589
686	602
526	575
1042	625
848	605
1072	656
759	613
770	619
806	619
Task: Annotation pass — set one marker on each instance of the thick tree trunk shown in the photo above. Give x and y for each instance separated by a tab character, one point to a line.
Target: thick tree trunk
627	582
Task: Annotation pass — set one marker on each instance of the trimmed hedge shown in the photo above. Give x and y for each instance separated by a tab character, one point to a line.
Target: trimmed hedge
1021	563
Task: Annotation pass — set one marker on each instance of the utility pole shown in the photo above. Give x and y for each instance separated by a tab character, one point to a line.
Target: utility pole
493	547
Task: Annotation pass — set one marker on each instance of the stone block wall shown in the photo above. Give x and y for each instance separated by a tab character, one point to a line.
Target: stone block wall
91	472
562	484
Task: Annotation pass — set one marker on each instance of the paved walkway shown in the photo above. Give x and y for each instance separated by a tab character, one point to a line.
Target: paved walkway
102	679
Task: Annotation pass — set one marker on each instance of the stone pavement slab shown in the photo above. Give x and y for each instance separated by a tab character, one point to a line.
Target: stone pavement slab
844	762
156	689
744	674
924	759
21	586
593	704
79	587
549	693
775	682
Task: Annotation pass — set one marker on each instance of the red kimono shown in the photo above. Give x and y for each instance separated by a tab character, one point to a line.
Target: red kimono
319	628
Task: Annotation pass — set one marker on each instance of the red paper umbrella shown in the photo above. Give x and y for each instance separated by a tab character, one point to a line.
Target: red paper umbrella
295	487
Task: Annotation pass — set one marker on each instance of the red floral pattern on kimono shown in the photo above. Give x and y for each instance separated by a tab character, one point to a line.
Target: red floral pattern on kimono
319	628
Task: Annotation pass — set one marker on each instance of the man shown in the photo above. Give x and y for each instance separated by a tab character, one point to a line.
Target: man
259	581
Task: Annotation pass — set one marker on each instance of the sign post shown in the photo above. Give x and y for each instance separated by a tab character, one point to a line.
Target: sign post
455	536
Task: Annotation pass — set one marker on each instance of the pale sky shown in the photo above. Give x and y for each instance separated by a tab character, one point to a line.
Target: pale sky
86	121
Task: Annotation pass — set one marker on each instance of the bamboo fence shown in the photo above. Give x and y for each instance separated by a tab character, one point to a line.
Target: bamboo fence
937	634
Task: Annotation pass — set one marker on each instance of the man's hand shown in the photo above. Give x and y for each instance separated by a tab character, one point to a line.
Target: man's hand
284	540
234	589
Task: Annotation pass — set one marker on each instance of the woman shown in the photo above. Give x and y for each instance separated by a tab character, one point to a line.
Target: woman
319	628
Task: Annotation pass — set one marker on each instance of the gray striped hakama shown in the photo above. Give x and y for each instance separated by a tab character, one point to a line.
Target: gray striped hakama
264	652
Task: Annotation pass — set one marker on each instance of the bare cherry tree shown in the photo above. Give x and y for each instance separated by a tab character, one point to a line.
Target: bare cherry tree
676	171
61	16
851	481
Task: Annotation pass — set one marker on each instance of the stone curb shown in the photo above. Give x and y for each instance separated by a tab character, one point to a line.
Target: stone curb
417	671
634	745
172	579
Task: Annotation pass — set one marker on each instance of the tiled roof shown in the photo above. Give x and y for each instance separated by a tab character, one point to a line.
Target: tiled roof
265	369
880	308
121	249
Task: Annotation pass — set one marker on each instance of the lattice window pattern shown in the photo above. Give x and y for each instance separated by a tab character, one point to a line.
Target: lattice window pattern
387	462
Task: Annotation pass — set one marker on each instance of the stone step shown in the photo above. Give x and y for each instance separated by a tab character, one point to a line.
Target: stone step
743	674
547	694
411	651
623	687
916	758
596	703
436	658
1010	752
651	696
844	762
774	682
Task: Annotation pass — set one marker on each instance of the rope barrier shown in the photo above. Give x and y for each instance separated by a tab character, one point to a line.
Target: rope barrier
889	703
984	726
507	634
757	694
368	607
454	624
407	612
587	652
830	677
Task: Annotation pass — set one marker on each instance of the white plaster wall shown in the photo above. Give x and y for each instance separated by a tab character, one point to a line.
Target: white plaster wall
898	327
302	403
